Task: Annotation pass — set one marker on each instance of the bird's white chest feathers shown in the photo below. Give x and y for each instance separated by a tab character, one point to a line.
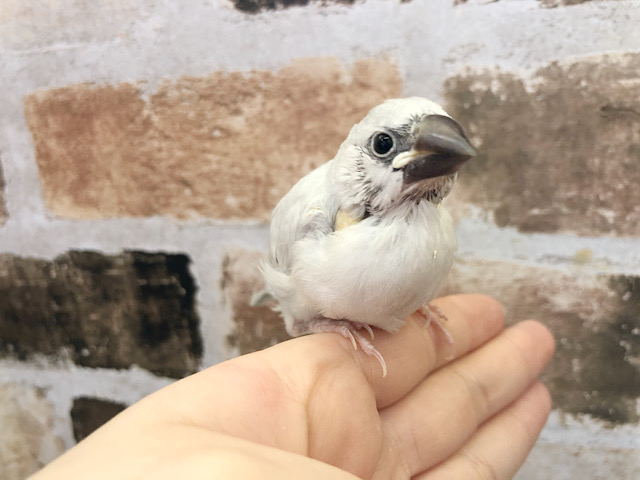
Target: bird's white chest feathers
377	271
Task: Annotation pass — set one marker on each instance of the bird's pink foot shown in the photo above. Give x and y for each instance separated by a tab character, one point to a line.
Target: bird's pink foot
351	331
433	314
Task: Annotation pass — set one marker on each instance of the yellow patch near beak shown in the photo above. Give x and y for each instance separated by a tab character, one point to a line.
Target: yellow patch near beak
344	220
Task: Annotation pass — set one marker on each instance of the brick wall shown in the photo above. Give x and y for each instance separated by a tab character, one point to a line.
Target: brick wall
143	145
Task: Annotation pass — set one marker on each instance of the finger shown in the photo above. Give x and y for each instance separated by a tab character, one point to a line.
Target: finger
304	365
417	349
411	354
462	395
500	447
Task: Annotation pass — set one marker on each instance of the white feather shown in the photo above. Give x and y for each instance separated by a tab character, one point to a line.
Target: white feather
377	271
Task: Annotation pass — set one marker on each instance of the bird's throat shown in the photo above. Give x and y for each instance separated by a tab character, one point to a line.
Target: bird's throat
432	189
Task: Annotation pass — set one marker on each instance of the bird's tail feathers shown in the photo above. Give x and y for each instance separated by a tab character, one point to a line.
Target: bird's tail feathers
260	298
278	285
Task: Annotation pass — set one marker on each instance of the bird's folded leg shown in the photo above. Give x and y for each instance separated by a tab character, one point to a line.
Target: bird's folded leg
433	314
350	330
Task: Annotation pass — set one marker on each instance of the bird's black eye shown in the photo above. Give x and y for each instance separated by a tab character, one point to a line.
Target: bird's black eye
382	143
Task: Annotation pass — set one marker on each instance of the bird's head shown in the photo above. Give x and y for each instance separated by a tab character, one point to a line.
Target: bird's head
404	150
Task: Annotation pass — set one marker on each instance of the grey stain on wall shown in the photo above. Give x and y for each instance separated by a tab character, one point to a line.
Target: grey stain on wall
559	151
597	369
595	320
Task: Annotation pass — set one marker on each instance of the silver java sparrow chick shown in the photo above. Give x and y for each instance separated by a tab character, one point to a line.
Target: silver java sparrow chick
363	241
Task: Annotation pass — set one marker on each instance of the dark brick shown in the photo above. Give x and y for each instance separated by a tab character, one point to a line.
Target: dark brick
88	414
3	208
557	152
102	311
257	327
255	6
596	322
558	3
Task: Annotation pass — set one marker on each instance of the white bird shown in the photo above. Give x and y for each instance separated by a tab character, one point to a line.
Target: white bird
363	240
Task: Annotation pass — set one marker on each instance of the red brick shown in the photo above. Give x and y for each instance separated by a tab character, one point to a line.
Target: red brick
254	328
227	145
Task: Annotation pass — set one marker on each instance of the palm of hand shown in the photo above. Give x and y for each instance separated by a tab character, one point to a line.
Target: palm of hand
306	406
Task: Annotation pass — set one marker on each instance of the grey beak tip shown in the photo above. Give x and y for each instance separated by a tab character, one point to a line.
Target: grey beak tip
448	148
471	152
444	135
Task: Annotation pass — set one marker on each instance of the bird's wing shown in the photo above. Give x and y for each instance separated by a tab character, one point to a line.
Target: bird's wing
307	210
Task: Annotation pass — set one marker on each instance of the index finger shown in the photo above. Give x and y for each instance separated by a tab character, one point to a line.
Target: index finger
417	349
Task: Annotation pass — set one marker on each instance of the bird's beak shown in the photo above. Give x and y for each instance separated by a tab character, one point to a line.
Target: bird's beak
441	148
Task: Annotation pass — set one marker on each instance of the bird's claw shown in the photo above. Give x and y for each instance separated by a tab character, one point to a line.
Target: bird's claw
347	333
349	330
433	314
368	329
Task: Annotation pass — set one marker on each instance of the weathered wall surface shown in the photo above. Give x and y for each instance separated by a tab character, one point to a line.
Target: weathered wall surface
198	147
143	145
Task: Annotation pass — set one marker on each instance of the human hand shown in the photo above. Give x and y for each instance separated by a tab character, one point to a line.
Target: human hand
304	407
